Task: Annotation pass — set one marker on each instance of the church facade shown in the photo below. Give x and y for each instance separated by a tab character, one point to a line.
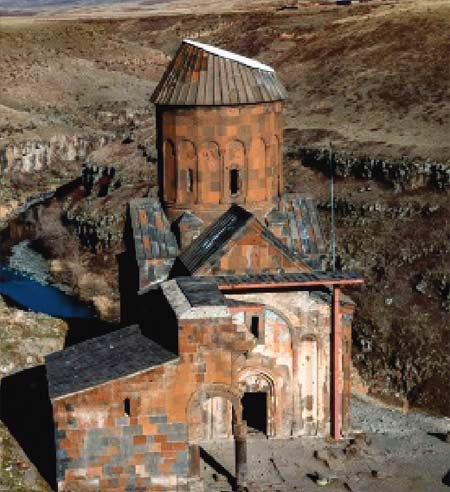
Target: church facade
239	329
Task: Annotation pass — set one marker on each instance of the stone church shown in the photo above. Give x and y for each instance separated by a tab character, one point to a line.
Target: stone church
238	330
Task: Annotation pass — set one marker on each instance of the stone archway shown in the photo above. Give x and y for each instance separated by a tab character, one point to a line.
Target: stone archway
196	428
256	382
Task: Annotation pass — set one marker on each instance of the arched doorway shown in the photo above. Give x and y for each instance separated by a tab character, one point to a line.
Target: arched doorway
198	431
258	402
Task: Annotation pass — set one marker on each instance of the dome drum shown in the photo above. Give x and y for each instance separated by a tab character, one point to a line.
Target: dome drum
211	157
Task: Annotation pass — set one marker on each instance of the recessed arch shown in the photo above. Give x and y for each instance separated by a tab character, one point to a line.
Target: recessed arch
170	171
194	410
209	173
309	382
274	165
187	171
196	426
234	171
257	172
270	310
255	380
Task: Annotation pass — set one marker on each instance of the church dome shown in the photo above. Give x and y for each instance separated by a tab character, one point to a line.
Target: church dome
204	75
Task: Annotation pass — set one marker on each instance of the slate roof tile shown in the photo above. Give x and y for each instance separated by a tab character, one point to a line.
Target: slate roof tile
154	243
93	362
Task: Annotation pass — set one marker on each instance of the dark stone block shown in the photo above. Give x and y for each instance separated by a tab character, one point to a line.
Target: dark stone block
60	434
132	430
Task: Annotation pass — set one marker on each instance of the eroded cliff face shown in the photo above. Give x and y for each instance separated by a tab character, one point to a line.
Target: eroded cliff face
36	167
393	228
37	155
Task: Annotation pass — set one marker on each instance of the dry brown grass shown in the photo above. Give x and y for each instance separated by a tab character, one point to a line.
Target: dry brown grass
377	73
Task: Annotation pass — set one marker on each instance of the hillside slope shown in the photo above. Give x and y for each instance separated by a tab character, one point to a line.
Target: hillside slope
372	78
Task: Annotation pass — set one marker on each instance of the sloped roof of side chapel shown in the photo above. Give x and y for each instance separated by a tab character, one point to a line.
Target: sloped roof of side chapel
204	75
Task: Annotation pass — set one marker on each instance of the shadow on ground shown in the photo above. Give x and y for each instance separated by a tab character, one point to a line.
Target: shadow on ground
221	470
439	435
25	406
26	411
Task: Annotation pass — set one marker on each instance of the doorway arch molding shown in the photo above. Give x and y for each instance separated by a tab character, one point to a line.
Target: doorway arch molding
196	428
194	410
278	379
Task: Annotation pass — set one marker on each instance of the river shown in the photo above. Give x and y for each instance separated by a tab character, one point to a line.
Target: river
29	293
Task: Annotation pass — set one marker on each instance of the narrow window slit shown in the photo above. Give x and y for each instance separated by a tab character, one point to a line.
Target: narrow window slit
234	181
127	407
254	327
190	180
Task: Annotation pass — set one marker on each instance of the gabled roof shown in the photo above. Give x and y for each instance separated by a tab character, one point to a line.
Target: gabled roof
214	237
204	75
93	362
213	241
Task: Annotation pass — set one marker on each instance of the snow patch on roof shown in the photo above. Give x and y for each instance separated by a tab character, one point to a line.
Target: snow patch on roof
249	62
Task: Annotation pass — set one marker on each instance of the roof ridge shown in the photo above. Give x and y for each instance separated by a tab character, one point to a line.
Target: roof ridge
220	52
214	237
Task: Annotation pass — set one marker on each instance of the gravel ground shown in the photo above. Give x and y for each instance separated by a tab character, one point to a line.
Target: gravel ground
28	261
395	452
371	416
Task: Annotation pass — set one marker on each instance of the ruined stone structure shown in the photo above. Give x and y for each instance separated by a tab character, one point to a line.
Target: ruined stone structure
239	330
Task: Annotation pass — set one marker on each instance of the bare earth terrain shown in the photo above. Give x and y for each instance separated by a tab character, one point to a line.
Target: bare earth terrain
393	453
373	79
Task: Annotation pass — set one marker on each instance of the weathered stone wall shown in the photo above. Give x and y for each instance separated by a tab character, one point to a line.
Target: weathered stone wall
99	447
251	253
295	356
199	147
172	406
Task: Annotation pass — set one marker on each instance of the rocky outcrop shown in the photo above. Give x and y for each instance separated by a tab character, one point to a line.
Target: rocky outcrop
401	174
24	207
346	208
97	231
27	337
100	175
36	155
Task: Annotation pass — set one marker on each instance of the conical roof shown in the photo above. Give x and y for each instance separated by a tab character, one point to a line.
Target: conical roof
204	75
